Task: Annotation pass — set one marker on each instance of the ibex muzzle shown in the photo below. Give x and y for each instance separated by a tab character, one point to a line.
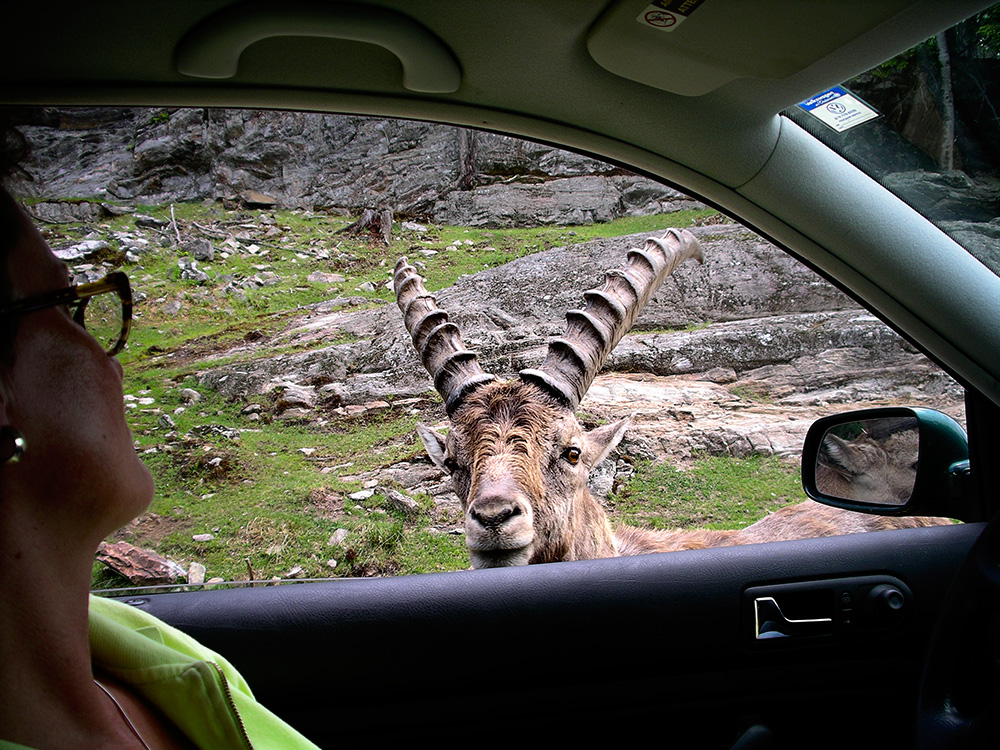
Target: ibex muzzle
499	523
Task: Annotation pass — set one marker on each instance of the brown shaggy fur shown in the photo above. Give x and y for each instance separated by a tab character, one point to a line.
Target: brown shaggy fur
805	520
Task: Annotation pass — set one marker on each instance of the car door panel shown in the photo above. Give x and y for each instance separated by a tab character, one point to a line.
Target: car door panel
579	647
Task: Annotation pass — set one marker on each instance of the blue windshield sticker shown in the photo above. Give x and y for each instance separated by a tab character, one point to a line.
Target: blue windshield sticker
838	108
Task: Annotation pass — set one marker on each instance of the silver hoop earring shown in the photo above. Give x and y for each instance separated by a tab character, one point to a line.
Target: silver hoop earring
12	445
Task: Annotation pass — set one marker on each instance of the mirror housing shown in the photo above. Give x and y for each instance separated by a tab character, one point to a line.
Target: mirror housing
892	461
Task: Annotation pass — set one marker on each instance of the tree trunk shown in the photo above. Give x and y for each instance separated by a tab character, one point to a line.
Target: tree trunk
946	156
377	224
467	142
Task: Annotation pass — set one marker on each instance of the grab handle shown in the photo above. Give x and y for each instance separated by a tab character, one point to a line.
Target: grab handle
212	49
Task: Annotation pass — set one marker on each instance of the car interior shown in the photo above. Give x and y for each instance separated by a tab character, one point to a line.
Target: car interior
884	639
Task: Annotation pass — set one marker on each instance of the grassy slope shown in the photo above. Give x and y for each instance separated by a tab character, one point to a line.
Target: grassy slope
273	493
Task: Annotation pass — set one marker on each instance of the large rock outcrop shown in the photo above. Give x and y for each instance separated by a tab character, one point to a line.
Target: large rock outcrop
330	162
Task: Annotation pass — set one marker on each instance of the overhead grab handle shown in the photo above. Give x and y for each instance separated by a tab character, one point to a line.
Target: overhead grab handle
212	49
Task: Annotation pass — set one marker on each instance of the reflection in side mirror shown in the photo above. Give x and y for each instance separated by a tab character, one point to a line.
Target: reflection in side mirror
894	460
871	460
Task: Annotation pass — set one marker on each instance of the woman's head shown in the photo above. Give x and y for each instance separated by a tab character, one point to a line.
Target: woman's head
63	392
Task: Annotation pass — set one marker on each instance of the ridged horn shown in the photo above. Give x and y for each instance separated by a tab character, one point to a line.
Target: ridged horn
455	369
573	361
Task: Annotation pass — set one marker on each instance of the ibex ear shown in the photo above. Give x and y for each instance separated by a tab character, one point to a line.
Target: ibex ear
434	443
602	440
840	456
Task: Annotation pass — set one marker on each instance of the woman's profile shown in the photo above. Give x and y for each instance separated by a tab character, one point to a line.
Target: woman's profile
77	671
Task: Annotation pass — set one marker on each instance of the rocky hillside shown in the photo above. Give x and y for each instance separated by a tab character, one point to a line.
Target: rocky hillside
332	163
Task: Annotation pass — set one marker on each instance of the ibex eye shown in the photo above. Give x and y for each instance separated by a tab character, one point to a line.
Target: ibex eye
572	455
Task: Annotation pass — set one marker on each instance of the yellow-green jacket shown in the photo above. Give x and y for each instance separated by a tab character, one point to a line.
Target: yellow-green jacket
194	687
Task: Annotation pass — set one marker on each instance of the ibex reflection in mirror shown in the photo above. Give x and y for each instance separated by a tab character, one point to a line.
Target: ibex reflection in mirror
519	459
872	460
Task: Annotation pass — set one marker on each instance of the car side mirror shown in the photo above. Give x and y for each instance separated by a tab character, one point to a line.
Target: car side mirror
896	461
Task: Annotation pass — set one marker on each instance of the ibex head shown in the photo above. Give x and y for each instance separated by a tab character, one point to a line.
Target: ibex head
879	466
517	455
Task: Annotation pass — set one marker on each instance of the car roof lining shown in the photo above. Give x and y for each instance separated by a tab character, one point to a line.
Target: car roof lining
545	63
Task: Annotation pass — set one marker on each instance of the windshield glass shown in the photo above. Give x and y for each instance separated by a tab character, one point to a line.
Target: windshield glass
926	125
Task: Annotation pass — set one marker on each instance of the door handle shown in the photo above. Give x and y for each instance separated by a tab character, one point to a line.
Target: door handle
848	607
770	622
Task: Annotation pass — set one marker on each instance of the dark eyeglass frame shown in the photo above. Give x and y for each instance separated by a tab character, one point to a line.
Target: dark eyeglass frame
77	297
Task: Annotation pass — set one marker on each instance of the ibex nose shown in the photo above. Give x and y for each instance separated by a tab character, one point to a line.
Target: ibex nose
494	512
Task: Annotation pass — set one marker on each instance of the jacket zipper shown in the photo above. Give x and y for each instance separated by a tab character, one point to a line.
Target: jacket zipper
232	704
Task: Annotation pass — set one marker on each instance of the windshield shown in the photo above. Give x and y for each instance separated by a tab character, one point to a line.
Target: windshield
926	125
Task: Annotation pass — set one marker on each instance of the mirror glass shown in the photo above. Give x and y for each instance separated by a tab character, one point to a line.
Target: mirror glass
870	461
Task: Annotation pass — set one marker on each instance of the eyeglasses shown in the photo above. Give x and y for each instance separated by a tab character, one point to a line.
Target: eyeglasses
103	308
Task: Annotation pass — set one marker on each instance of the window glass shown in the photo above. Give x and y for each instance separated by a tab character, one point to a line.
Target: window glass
273	391
936	141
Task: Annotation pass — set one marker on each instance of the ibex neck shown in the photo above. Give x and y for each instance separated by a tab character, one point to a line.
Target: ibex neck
593	538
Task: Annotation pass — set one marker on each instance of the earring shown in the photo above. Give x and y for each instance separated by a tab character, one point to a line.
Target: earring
12	445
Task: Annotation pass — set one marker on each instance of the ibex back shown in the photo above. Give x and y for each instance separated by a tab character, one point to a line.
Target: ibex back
518	457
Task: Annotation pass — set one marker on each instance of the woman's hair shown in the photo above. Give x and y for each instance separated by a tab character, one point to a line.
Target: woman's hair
13	151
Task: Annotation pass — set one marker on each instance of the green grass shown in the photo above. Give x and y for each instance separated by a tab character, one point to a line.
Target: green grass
178	313
715	493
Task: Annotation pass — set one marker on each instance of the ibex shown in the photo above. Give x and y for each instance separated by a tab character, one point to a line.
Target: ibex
878	466
518	458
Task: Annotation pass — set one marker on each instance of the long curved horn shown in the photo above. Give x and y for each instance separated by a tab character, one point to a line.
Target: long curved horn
574	360
454	368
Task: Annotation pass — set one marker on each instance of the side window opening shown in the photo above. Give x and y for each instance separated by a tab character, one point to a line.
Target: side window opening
273	390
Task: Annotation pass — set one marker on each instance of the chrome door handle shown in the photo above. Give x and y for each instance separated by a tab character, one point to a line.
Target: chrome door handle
770	622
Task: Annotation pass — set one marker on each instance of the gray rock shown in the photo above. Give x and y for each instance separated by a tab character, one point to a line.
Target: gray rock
200	249
401	502
190	271
67	212
289	159
338	537
149	222
142	567
948	196
321	277
602	478
81	250
196	573
190	395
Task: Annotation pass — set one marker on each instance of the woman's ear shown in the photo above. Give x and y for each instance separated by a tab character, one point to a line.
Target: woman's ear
12	443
